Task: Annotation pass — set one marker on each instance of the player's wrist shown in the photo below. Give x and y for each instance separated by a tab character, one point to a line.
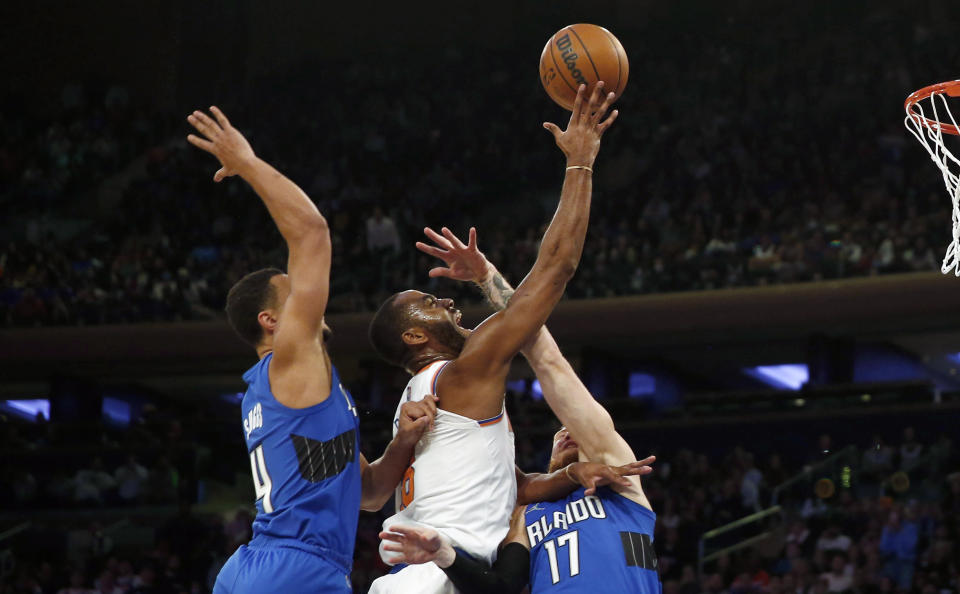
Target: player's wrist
487	275
445	556
407	441
580	162
248	166
573	476
406	438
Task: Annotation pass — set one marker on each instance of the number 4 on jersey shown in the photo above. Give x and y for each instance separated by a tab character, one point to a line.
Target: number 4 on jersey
572	541
261	479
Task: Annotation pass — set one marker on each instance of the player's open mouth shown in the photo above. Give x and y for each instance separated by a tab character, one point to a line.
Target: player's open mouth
457	316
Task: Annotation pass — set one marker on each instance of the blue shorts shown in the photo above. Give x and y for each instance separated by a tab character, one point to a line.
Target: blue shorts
254	570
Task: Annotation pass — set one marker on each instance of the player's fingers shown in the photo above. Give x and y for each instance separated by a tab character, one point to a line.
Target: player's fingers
594	103
413	410
430	403
220	175
453	239
423	415
634	470
201	143
553	129
405	531
578	104
392	536
648	460
472	238
630	469
438	239
598	115
439	271
203	123
430	408
591	486
608	122
394	548
431	250
221	118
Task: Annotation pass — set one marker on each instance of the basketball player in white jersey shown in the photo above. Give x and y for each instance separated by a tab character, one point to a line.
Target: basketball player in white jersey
572	545
462	479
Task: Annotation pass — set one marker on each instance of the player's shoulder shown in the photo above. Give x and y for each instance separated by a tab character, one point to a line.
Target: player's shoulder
257	372
628	501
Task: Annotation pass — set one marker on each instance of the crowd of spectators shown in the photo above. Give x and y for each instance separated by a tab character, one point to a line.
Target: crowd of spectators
787	163
868	536
153	460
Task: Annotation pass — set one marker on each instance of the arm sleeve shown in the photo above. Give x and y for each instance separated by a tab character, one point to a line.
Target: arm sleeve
509	574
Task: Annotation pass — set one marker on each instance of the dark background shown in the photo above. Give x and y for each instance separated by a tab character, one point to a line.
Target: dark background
759	203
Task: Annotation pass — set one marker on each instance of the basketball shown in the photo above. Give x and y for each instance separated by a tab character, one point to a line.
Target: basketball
582	54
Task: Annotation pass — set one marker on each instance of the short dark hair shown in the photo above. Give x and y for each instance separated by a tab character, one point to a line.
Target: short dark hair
246	299
386	331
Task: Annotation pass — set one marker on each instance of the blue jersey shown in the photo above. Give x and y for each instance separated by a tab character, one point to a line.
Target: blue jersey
594	543
306	469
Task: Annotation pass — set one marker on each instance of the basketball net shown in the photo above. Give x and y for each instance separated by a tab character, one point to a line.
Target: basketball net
928	119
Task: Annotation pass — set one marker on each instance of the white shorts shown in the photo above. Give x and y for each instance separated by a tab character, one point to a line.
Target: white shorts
426	578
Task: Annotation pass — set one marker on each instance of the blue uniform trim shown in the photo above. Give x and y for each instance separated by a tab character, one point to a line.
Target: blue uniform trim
491	421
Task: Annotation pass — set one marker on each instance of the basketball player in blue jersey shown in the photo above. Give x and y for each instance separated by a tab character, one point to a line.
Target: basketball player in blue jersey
592	539
299	422
462	479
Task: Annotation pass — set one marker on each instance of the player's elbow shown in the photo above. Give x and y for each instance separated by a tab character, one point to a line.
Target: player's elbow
373	500
559	260
372	505
564	268
318	227
314	236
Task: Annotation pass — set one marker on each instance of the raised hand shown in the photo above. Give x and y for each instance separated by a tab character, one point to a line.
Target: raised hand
593	474
221	140
580	142
463	262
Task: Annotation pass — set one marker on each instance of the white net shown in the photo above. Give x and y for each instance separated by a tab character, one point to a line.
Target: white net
926	120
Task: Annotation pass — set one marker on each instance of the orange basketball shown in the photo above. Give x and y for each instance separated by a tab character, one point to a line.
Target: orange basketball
582	54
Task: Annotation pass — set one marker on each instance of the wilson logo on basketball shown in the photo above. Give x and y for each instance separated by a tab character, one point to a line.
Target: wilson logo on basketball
570	58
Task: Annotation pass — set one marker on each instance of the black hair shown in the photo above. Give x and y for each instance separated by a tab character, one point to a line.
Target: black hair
386	331
246	299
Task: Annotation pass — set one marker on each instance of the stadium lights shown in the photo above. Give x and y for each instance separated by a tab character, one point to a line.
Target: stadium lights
786	376
28	409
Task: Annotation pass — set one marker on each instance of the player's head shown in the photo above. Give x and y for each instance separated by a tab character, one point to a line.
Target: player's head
255	304
411	323
565	450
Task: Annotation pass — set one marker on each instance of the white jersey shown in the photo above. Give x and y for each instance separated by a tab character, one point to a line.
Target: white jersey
462	480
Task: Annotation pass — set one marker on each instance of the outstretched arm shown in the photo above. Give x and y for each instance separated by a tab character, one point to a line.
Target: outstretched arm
590	475
508	575
297	343
379	478
588	422
473	384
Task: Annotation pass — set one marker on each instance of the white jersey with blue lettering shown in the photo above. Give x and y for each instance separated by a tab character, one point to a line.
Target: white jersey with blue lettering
462	480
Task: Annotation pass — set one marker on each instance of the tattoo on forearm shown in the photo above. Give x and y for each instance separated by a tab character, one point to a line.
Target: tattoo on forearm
497	291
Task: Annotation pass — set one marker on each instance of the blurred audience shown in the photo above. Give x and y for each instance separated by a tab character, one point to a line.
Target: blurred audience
770	186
